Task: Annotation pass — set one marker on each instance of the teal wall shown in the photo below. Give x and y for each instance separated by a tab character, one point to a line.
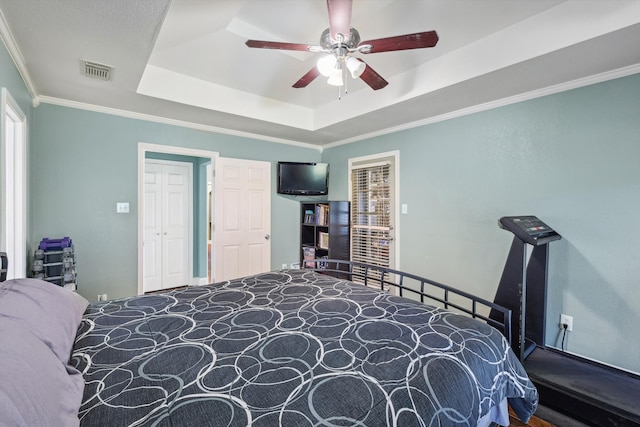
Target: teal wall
573	160
83	162
199	208
10	78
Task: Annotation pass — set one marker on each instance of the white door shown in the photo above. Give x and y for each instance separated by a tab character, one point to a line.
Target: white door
167	225
152	243
175	223
242	206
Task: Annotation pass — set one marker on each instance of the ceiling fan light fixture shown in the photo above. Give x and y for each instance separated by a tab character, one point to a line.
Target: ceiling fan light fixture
341	40
327	64
335	79
355	67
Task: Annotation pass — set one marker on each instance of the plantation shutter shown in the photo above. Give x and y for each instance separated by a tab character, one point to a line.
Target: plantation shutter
371	214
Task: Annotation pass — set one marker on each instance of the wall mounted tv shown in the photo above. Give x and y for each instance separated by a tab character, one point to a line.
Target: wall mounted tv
309	179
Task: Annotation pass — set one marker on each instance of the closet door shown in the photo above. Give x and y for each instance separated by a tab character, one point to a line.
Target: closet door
167	206
175	225
152	245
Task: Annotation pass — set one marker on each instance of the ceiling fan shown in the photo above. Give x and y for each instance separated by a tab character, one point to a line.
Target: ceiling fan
339	41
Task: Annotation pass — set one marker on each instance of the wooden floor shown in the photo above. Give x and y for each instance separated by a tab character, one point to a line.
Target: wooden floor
533	422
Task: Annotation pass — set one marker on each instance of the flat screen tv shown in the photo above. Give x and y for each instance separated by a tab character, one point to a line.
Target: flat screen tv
310	179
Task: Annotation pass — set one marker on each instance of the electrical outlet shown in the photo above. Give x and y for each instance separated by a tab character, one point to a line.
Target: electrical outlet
566	320
102	297
284	266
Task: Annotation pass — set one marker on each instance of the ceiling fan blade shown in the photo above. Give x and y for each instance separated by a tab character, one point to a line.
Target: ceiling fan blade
407	41
373	79
339	17
261	44
307	78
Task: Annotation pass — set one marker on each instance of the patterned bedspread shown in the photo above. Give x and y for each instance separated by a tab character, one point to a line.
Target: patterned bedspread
292	348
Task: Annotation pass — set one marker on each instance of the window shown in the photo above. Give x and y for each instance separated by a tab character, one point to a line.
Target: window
13	155
373	205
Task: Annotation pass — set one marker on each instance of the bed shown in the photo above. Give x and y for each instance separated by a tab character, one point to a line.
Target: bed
290	348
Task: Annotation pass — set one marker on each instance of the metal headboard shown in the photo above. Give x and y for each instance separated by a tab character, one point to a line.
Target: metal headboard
418	287
4	263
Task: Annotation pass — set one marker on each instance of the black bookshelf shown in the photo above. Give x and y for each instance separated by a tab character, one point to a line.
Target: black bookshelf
324	230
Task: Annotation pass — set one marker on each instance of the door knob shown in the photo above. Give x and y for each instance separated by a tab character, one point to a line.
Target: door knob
267	237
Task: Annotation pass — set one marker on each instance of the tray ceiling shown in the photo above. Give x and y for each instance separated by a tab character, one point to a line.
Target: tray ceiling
186	62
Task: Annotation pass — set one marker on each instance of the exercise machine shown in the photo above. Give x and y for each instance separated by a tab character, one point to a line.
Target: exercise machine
523	285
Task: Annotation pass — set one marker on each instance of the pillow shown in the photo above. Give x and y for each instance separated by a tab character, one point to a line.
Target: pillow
36	388
52	313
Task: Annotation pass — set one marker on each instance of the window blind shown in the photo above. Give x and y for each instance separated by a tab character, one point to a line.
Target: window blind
371	214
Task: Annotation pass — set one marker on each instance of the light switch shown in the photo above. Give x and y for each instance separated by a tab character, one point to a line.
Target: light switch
405	208
122	207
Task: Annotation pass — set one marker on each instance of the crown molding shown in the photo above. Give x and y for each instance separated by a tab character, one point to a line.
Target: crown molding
18	60
563	87
173	122
550	90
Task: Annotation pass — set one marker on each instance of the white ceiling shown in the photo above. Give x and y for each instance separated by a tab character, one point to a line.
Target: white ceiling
185	61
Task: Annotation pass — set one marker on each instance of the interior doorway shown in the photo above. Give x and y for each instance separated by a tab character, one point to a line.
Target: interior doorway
168	224
200	248
13	185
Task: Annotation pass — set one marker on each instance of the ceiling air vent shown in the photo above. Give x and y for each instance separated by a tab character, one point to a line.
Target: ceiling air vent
97	71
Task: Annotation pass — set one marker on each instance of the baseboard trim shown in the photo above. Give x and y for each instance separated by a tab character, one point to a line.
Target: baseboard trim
200	281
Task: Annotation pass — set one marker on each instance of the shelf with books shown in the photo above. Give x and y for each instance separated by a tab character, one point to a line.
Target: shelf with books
324	230
308	254
322	214
309	216
323	240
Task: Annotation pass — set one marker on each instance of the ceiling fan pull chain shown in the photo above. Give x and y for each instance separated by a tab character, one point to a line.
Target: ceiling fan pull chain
346	80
